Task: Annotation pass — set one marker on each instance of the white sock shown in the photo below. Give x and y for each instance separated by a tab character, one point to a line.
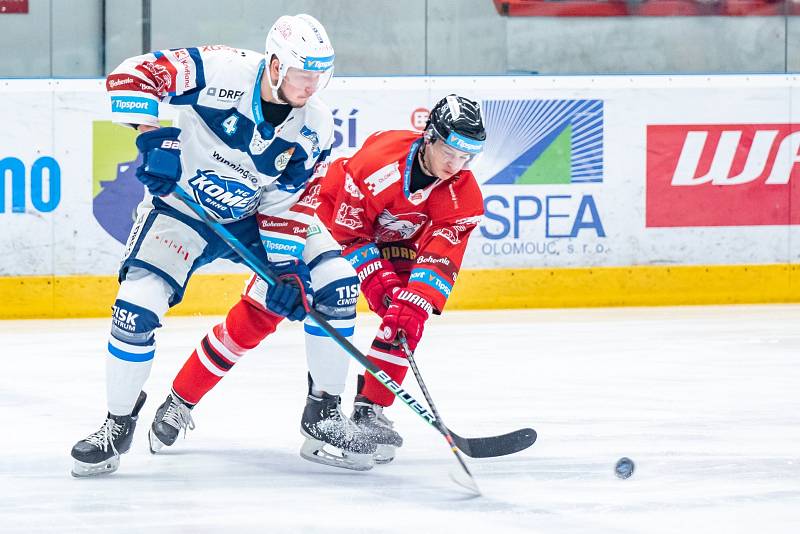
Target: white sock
327	361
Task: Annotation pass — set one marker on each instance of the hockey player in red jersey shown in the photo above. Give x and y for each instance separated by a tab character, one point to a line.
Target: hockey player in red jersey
402	208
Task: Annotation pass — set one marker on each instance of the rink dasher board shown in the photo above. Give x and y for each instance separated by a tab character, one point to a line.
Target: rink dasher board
571	243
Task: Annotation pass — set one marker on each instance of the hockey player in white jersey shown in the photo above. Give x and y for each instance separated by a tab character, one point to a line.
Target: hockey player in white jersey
249	132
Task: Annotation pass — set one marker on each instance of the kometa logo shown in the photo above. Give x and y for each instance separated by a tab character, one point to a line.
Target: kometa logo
722	174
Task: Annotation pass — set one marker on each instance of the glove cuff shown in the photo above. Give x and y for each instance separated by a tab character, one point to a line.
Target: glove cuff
370	269
152	138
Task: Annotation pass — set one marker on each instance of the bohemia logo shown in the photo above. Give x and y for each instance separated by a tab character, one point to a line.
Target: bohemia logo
722	175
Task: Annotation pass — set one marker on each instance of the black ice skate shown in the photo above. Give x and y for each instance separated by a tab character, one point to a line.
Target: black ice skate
332	438
171	417
99	453
369	418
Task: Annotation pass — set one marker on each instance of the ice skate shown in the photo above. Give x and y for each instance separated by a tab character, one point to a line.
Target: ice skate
99	453
171	417
369	417
332	438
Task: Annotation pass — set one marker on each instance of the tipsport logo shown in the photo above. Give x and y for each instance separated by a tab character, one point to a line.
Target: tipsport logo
541	142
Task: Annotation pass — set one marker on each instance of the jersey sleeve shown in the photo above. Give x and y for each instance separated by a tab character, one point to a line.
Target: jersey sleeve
139	84
441	249
352	224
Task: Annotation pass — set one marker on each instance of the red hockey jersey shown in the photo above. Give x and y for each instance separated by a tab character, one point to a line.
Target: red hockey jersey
366	203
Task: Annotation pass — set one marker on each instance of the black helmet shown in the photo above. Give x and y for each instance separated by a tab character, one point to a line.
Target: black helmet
457	121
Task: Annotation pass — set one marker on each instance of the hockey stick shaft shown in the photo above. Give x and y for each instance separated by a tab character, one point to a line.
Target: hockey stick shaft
474	447
257	265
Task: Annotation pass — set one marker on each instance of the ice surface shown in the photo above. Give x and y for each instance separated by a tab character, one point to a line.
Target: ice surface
705	400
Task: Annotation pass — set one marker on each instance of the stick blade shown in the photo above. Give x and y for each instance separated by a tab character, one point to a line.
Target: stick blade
492	446
465	480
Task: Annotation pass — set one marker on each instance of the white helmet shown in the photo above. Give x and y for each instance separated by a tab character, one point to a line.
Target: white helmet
301	44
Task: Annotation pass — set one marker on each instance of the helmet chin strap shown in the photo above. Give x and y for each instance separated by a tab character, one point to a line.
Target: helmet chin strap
274	88
422	162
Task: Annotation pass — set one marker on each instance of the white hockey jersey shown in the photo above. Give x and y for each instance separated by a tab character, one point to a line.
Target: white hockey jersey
233	162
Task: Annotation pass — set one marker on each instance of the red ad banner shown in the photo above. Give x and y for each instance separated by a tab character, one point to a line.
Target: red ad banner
722	175
13	6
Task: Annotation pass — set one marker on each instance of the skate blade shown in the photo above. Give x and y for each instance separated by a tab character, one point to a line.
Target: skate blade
84	470
155	443
384	454
316	451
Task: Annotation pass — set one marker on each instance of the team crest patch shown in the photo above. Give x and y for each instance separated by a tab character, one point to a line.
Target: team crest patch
283	159
398	227
312	136
310	198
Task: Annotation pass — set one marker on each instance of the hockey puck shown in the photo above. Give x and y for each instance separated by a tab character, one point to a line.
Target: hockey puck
624	468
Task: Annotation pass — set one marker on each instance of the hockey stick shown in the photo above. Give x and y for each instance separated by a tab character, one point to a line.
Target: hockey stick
252	261
469	482
487	447
484	447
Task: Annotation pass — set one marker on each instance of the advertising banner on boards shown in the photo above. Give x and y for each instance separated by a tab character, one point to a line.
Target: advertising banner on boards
576	172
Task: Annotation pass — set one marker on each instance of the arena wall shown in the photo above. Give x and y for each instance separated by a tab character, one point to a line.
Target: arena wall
598	190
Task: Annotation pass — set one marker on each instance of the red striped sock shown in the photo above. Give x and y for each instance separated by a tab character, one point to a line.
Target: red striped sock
245	327
390	359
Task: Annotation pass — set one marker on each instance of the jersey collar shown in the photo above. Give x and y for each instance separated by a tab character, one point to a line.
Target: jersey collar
418	196
264	128
412	153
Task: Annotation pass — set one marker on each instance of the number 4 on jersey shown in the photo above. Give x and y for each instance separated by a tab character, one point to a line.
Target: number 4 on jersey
229	124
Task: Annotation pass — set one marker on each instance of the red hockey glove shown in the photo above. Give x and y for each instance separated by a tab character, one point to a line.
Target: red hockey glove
408	312
378	284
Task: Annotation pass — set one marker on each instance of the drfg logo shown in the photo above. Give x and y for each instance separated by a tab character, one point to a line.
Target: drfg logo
722	175
42	184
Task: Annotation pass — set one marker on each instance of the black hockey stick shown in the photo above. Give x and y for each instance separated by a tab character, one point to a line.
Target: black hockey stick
487	447
484	447
255	263
469	482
